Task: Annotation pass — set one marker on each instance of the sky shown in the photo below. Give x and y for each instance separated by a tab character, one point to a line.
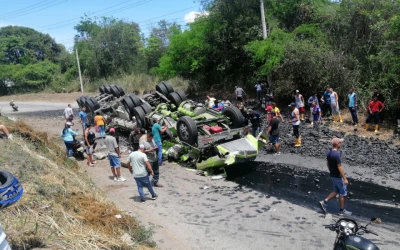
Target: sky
58	17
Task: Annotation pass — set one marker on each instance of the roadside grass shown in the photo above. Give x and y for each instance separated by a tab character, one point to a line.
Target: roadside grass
61	208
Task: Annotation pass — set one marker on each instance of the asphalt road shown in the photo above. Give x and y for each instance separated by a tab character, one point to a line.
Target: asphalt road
24	107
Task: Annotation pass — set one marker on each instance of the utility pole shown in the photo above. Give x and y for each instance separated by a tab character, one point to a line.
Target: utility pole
79	69
264	25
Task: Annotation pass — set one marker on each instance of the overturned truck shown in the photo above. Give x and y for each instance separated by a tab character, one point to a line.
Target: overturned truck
204	137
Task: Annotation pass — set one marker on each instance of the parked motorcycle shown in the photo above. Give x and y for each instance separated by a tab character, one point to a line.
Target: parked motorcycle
349	235
15	107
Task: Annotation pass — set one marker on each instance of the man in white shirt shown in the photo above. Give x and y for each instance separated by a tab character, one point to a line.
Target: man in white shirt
239	94
68	113
140	167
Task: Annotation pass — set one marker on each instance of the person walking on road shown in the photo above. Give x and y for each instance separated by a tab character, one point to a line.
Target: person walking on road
157	131
375	107
114	155
311	99
316	116
68	135
150	149
352	96
255	120
335	106
259	88
100	122
299	100
239	92
4	129
90	138
338	177
83	115
295	121
140	167
273	131
69	114
326	103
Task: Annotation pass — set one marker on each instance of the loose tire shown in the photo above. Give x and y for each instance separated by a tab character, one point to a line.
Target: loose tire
187	130
162	89
135	100
175	98
168	86
235	117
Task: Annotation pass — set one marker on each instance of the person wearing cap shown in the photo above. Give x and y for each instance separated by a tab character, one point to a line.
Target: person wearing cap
299	101
338	177
311	99
277	111
273	131
150	149
4	129
218	105
316	115
69	114
326	103
226	102
140	168
295	121
239	92
255	120
157	131
375	107
335	106
268	116
114	155
68	135
83	115
90	138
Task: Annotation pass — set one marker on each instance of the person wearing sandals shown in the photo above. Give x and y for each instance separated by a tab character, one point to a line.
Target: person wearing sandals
89	143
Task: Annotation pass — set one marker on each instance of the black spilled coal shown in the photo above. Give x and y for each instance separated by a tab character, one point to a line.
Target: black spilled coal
305	187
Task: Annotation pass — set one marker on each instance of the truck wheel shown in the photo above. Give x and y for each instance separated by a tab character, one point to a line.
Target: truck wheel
168	86
89	105
146	108
140	117
81	101
135	100
175	99
102	89
187	130
182	95
121	90
107	89
160	87
95	103
128	105
235	117
114	91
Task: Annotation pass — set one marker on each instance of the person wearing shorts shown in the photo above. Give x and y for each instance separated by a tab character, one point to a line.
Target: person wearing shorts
69	114
239	92
114	155
375	107
89	137
273	131
337	176
299	101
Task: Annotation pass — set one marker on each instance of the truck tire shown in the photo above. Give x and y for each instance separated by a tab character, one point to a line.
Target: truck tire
140	117
135	100
168	86
102	89
128	105
81	101
114	91
160	87
121	90
89	106
146	108
182	95
235	117
95	103
175	99
187	130
107	89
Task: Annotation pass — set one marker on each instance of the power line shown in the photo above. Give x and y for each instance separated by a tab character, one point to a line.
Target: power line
24	14
167	14
12	12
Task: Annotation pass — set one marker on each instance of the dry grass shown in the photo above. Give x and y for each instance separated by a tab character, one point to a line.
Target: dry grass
60	208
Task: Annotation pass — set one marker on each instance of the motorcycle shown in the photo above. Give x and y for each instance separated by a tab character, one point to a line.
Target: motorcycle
349	235
15	107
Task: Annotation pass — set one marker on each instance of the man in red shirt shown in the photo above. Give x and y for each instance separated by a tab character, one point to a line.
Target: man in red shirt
375	108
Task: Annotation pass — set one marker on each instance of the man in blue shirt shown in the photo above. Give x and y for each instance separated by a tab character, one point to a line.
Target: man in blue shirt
82	114
218	105
353	105
316	114
255	120
326	103
157	130
338	177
